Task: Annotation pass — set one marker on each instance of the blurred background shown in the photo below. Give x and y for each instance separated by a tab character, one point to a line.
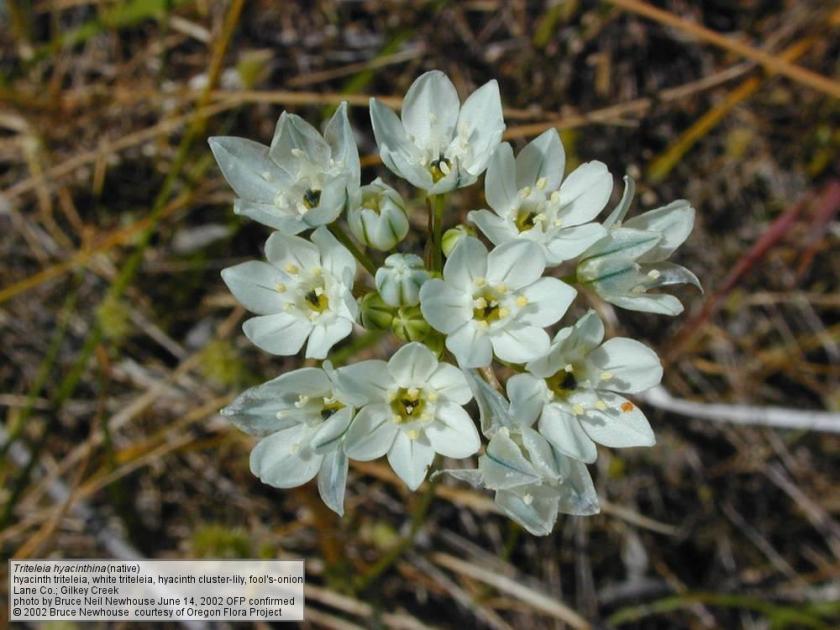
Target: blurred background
119	342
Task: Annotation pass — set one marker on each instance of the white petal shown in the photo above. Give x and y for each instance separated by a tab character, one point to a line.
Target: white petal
659	303
332	481
339	135
254	285
542	157
281	333
482	123
328	434
564	432
467	262
270	215
527	396
494	227
453	433
445	308
548	300
493	408
324	336
430	110
571	242
248	169
585	192
412	365
623	242
518	343
293	133
371	434
282	250
516	264
334	256
284	460
369	379
631	366
398	152
673	222
504	465
449	382
622	425
470	346
410	459
330	204
500	181
537	515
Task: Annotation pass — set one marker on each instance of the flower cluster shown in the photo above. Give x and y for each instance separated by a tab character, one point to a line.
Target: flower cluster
487	307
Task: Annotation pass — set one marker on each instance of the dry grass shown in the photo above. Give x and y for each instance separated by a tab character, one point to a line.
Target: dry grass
119	342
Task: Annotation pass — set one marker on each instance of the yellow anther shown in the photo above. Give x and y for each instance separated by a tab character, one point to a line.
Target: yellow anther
301	401
528	499
479	303
291	268
432	396
481	323
554	197
297	152
444	168
653	274
569	368
521	300
600	405
480	281
605	376
412	435
503	312
524	192
541	183
557	223
578	409
280	287
413	392
501	288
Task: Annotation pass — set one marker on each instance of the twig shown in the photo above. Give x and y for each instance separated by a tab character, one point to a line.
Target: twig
772	63
774	417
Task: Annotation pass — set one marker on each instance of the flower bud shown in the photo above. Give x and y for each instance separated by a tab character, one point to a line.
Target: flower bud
399	281
452	237
378	217
409	324
376	315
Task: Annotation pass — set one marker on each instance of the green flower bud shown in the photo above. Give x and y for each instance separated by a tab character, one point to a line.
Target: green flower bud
409	324
452	237
400	279
376	315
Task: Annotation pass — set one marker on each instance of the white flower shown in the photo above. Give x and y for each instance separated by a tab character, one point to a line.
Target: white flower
400	279
532	480
412	408
439	145
531	200
303	291
572	390
301	417
301	181
630	260
496	303
377	216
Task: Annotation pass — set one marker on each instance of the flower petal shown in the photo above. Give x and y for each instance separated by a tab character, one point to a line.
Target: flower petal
571	242
470	346
536	514
564	432
334	256
481	123
527	396
339	136
467	262
412	365
282	250
542	157
371	434
248	169
444	307
515	264
548	300
500	181
453	433
629	366
450	383
254	285
332	480
270	215
504	465
494	227
518	343
294	139
369	380
328	434
430	111
673	222
410	459
284	460
585	192
621	425
281	333
324	336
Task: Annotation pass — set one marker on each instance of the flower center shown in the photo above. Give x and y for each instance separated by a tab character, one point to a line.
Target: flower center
331	406
440	168
316	300
562	383
487	305
311	198
408	405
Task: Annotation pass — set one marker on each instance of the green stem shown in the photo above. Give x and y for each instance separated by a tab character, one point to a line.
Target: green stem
358	254
436	218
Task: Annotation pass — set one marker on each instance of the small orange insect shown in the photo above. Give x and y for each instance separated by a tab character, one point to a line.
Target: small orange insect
627	406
